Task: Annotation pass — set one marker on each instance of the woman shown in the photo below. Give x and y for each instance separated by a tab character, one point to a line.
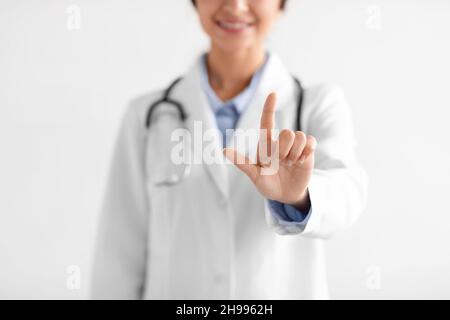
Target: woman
231	231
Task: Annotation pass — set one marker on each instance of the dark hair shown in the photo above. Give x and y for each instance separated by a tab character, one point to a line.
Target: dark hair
282	6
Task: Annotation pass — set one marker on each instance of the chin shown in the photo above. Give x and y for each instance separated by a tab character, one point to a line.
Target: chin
234	45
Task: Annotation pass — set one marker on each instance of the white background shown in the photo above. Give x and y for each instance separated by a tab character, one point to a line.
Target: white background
63	92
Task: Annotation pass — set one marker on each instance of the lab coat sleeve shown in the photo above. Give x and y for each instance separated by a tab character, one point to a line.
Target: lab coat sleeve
288	213
338	185
120	252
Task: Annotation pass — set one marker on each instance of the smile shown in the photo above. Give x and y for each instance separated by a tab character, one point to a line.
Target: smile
234	26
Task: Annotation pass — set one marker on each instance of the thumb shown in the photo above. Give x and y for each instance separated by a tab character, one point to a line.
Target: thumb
242	162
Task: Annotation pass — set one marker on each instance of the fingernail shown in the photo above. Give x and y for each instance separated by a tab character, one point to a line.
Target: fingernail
302	159
289	162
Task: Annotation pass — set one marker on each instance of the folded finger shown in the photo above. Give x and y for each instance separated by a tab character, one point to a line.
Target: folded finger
309	149
297	147
285	141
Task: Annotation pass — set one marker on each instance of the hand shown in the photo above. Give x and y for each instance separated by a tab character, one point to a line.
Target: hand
289	166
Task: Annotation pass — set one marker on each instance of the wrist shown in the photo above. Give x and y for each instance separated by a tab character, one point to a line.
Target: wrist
304	202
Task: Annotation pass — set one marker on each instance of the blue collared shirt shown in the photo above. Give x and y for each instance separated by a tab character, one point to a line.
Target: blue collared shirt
227	113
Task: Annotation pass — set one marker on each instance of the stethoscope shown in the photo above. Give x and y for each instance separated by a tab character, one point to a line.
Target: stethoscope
173	178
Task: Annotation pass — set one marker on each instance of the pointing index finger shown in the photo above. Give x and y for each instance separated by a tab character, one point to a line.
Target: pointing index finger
268	112
266	126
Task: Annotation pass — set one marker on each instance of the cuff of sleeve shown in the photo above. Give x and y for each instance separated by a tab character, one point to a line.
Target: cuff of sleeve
288	215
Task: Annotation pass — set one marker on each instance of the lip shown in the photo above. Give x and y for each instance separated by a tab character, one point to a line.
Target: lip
234	25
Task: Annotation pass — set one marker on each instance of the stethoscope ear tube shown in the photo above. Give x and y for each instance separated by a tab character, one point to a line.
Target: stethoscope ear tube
299	104
166	99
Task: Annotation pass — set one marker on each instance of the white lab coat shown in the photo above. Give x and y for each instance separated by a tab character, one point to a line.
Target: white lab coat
212	236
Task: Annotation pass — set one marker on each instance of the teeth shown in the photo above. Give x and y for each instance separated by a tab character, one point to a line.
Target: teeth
233	25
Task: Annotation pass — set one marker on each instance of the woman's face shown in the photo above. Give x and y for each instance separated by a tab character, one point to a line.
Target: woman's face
238	24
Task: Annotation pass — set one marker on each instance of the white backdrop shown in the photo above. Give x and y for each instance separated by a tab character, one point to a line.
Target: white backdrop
63	91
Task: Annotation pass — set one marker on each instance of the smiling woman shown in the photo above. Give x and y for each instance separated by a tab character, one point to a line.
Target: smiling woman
215	234
226	28
237	30
282	3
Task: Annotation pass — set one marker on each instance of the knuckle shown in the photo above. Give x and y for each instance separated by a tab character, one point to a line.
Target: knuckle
292	156
286	134
312	142
300	135
300	138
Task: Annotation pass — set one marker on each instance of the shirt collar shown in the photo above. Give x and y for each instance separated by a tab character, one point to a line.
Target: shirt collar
240	101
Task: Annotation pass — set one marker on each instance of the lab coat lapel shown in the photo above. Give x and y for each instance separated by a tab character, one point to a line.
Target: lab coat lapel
200	114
